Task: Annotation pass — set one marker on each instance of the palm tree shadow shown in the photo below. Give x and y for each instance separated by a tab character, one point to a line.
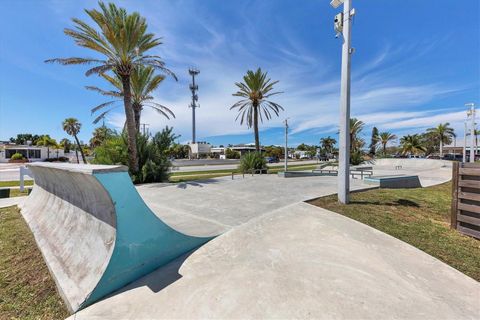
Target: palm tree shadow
199	183
399	202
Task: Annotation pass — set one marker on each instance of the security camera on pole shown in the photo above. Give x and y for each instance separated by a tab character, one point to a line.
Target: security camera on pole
342	25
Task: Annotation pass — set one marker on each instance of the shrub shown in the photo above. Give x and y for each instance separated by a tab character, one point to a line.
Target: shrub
252	161
232	154
17	156
356	157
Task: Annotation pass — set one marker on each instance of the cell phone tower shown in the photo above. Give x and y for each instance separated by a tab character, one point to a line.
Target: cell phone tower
194	88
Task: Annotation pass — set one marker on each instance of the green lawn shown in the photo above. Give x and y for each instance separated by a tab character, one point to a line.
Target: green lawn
420	217
15	183
26	289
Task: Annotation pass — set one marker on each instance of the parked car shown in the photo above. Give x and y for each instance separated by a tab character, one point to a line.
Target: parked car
271	159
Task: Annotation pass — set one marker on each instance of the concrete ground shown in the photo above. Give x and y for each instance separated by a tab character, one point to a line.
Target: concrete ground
303	262
282	258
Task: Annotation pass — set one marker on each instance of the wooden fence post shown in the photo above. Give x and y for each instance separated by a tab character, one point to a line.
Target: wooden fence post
455	177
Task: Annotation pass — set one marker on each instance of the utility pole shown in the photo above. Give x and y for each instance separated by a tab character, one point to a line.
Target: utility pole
286	145
194	88
471	113
144	127
343	26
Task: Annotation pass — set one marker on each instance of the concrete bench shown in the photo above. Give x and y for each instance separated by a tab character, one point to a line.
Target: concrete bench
361	171
394	182
96	233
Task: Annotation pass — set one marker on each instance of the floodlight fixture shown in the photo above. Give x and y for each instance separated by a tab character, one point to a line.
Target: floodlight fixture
336	3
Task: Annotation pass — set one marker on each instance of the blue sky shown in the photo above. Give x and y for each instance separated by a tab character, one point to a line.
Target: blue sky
416	64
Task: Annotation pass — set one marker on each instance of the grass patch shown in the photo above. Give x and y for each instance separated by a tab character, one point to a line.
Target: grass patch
210	174
18	193
27	290
420	217
15	183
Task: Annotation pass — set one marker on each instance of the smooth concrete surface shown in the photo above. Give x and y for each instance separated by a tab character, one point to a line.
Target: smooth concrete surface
299	262
95	232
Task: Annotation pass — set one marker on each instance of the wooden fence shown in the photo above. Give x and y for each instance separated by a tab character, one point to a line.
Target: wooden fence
465	215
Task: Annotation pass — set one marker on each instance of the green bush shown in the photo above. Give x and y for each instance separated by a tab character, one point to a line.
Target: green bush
252	161
232	154
152	154
356	157
17	156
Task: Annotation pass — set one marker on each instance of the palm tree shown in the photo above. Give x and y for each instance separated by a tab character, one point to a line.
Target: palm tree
72	127
385	138
444	134
412	144
100	135
255	89
143	83
48	142
328	143
356	127
374	141
123	41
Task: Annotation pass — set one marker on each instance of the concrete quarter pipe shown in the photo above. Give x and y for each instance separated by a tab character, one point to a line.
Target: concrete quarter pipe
95	232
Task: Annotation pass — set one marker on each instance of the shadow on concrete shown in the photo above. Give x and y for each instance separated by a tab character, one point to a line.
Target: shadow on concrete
199	183
160	278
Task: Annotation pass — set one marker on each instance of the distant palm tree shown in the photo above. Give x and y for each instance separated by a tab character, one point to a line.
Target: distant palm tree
48	142
123	41
72	127
328	143
444	134
412	144
143	83
385	138
256	88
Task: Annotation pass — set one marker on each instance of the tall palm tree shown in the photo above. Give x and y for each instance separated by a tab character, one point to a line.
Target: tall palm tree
143	83
412	144
328	143
72	127
385	138
444	134
123	40
255	89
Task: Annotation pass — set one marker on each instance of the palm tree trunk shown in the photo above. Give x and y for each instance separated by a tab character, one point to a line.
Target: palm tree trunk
76	153
130	122
255	128
441	148
384	149
136	113
80	148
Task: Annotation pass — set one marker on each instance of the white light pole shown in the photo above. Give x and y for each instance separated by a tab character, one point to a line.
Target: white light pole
343	26
471	113
465	143
286	145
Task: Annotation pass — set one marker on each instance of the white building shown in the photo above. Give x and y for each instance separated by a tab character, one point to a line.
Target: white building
199	148
32	153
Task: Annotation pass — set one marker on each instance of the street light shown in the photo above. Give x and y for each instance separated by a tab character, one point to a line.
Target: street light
471	113
342	25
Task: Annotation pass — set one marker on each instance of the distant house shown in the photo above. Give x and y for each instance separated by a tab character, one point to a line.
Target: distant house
32	153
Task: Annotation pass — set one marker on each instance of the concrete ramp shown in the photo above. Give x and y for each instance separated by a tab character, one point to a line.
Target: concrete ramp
95	232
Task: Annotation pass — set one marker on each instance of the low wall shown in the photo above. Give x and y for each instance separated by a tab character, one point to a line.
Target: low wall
412	163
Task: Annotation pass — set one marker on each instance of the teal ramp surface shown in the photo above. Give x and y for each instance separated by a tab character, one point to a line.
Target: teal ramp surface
95	232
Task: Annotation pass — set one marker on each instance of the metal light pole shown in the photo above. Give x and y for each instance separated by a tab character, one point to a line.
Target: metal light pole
465	142
471	113
286	145
193	87
343	26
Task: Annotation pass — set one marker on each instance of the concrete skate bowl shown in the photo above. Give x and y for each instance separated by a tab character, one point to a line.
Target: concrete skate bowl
429	171
95	232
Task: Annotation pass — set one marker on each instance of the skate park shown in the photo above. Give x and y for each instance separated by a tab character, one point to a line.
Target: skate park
188	250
